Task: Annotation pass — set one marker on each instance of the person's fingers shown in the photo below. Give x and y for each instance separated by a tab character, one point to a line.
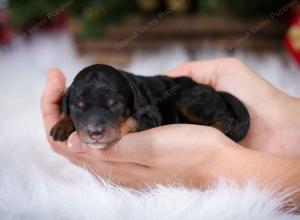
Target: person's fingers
115	169
206	72
75	145
61	148
146	147
91	156
50	102
113	162
134	147
200	71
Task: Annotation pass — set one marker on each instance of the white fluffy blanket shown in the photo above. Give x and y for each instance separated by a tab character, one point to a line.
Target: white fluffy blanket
36	183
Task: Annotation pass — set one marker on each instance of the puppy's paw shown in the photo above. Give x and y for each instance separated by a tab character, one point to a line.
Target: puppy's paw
61	131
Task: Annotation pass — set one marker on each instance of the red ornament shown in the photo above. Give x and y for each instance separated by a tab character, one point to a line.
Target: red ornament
6	33
292	37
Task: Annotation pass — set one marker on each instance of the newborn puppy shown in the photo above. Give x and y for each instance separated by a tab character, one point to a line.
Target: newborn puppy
103	104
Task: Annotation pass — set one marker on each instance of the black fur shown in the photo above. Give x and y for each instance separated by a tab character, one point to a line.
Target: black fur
151	101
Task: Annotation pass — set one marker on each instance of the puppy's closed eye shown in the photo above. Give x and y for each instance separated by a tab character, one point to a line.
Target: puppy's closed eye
81	104
114	102
110	101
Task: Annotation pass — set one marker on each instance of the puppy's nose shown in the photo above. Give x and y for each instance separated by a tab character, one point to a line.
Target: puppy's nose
95	133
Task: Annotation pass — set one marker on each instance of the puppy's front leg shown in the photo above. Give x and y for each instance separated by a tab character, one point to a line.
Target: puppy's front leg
62	129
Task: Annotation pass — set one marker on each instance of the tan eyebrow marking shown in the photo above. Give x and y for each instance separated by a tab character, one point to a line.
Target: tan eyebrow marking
81	104
110	101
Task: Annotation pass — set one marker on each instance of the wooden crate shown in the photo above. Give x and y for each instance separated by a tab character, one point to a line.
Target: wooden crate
119	42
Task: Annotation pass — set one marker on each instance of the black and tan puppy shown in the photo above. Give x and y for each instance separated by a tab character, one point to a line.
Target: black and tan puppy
104	103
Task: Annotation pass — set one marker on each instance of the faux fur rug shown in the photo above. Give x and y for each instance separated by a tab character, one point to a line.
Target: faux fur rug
36	183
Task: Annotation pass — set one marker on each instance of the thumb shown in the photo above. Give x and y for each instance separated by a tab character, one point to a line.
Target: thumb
182	70
50	102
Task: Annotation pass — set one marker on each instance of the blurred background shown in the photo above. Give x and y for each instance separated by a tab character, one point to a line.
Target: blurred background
110	31
149	36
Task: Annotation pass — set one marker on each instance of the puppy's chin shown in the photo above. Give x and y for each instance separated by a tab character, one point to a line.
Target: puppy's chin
97	146
100	145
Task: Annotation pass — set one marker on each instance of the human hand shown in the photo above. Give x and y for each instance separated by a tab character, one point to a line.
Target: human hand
51	113
187	154
274	116
161	155
164	154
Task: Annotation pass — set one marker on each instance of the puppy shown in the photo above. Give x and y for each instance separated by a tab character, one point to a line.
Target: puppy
103	104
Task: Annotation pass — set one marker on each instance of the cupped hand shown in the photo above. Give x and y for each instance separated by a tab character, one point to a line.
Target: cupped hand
189	154
186	154
274	116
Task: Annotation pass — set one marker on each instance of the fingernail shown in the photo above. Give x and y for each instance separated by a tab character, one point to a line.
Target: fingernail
69	144
74	144
49	74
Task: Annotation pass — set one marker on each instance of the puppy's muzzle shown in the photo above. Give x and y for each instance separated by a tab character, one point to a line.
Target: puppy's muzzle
96	133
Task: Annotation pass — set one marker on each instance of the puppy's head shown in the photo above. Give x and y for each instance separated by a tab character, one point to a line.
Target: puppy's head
99	101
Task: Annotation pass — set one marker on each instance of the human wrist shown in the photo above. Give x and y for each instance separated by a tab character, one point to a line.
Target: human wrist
278	117
241	165
286	127
221	161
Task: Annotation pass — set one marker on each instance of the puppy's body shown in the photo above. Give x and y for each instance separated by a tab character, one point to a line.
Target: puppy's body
105	103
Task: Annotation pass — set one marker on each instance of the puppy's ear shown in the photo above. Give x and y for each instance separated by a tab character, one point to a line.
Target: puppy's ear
144	110
65	103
